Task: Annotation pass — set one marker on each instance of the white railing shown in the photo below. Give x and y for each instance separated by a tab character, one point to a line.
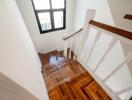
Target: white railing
105	55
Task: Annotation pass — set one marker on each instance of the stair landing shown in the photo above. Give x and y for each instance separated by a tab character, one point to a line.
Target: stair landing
66	79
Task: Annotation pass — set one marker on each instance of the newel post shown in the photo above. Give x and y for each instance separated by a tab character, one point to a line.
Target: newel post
90	14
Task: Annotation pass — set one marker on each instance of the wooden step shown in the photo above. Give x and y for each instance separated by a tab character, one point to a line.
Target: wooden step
68	80
45	57
95	92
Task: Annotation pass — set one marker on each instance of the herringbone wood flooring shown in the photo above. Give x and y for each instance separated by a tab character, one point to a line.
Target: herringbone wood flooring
68	80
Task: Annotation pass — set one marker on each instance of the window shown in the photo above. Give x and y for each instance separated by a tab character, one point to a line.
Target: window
50	14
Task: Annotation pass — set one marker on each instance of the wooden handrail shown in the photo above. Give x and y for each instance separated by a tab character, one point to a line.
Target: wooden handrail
65	38
112	29
128	16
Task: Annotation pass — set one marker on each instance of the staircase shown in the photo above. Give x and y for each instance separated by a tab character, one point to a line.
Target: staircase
66	79
97	64
106	53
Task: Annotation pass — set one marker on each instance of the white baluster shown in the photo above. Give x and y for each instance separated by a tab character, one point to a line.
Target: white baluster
89	16
124	90
128	58
77	45
70	49
84	38
95	41
80	43
103	57
65	49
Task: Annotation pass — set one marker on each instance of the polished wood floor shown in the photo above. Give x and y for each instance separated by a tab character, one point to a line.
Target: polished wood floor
66	79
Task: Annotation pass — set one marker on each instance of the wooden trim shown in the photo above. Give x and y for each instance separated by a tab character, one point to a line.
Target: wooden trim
112	29
128	16
65	38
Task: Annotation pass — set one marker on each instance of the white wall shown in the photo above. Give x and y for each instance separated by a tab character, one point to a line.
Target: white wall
119	8
9	90
103	13
49	41
107	11
18	58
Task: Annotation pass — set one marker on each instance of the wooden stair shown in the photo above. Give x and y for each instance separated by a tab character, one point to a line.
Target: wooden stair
66	79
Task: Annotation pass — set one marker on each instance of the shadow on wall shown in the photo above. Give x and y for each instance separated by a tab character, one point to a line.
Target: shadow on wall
118	9
9	90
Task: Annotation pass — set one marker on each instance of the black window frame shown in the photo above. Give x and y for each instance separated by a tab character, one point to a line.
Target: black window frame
51	11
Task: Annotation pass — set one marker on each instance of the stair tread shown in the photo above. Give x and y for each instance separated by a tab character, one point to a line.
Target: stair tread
45	58
66	79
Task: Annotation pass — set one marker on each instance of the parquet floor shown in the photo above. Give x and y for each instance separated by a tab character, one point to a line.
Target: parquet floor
67	79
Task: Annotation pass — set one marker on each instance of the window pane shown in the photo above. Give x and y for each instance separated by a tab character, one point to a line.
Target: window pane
45	21
58	19
41	4
57	4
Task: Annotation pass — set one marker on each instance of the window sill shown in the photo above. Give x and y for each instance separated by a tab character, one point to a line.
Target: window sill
49	31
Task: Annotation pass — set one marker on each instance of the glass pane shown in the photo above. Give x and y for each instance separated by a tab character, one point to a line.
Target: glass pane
58	19
57	4
41	4
45	21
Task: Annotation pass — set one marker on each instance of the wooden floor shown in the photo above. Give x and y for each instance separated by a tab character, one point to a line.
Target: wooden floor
67	79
